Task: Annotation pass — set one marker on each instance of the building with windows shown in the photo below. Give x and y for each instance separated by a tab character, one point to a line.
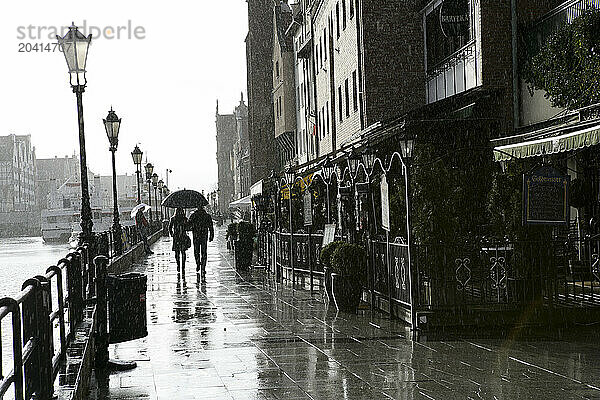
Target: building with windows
233	155
17	173
259	51
226	139
368	66
284	92
241	154
306	127
51	173
18	210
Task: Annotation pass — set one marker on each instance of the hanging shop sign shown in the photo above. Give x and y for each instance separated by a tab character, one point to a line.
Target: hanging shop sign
328	234
302	184
546	197
454	18
385	204
308	221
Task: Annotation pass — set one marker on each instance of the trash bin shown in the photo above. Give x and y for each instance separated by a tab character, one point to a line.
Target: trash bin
126	307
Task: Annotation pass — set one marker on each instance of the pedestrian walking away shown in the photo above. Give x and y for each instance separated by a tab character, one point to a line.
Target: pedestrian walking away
201	225
181	240
141	224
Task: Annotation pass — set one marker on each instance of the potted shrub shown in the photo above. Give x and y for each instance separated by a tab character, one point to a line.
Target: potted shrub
348	265
231	235
325	256
244	245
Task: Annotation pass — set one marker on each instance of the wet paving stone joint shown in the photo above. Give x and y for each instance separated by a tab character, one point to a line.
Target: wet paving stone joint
249	337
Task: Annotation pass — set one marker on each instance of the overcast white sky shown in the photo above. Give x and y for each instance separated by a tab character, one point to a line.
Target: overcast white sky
164	86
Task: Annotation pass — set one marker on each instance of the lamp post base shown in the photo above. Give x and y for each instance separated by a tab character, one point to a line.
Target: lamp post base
117	241
89	239
120	365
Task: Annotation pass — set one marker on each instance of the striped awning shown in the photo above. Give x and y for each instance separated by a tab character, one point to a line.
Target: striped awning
557	143
243	203
285	142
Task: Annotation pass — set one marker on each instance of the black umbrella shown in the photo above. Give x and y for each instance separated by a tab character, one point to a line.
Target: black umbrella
185	198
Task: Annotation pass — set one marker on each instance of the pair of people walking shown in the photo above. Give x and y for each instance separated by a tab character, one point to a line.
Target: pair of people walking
201	226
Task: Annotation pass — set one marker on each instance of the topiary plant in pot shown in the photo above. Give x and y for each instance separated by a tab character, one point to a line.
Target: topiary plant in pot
325	256
244	245
348	266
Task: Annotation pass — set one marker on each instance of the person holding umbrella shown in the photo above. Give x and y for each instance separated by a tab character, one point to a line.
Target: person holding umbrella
141	224
181	241
201	225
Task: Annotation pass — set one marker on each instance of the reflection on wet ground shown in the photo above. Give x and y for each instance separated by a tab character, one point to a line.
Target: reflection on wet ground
248	337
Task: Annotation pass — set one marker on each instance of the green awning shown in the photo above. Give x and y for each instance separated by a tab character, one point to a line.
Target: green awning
549	145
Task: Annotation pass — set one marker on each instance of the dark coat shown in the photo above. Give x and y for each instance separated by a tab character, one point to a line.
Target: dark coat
177	227
201	225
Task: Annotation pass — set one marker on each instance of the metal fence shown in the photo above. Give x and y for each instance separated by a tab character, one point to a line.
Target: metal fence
42	306
520	273
492	273
388	273
44	317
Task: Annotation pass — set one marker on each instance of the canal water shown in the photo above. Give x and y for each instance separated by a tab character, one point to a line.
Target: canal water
24	257
20	259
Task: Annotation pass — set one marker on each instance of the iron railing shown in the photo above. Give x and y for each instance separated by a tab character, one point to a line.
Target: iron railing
38	311
44	317
537	35
496	274
509	273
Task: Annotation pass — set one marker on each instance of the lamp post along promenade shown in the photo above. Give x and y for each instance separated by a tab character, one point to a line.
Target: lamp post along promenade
154	186
149	168
161	186
290	177
112	124
136	154
74	46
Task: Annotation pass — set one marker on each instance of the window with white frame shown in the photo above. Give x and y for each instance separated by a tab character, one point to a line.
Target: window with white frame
451	59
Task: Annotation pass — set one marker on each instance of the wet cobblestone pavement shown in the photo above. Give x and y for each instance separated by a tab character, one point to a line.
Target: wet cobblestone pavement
247	337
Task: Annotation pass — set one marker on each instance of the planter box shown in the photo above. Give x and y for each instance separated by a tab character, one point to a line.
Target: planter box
346	292
243	250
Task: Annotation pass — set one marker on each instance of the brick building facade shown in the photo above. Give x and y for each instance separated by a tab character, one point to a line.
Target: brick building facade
17	173
259	50
226	135
233	155
284	92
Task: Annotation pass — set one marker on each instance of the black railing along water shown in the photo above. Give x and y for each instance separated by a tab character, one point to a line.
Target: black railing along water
45	314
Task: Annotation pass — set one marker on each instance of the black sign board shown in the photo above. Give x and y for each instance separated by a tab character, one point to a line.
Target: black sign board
546	197
454	18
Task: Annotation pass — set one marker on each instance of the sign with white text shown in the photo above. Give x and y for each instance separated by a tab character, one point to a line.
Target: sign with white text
385	204
328	234
307	208
546	197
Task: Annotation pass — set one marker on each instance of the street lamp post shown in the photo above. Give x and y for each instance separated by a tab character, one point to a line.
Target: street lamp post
165	194
290	178
406	147
74	46
149	168
136	154
112	124
161	186
354	160
155	186
327	171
